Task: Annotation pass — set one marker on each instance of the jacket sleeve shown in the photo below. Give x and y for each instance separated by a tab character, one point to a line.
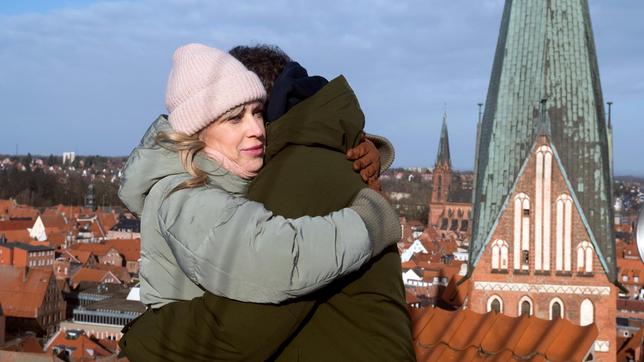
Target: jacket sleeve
237	249
386	149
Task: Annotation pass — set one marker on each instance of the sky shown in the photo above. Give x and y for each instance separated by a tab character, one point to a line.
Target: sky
89	76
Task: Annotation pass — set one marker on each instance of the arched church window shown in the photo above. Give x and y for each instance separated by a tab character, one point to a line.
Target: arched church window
563	233
586	313
584	257
556	309
496	306
521	247
525	306
500	255
495	303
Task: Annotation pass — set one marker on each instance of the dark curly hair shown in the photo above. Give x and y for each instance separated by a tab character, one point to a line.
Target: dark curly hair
267	61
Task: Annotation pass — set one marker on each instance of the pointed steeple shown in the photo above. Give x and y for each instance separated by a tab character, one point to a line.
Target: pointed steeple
545	50
442	156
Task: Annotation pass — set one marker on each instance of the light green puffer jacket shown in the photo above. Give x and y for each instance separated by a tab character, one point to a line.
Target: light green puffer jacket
211	238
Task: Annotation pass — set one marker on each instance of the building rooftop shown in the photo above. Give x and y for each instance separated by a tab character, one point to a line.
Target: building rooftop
464	335
27	247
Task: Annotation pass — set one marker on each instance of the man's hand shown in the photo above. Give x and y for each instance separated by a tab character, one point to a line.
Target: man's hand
366	160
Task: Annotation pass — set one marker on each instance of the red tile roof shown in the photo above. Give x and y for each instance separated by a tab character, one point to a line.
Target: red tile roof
5	205
91	275
455	294
21	296
84	347
108	219
16	224
95	248
81	256
463	335
22	211
28	344
17	235
129	248
119	271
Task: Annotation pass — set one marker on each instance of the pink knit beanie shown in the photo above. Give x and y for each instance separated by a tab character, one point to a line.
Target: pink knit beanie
205	83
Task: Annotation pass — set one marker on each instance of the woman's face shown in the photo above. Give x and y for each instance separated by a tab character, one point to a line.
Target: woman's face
239	137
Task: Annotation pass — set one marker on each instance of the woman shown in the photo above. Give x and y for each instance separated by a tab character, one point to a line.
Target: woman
185	179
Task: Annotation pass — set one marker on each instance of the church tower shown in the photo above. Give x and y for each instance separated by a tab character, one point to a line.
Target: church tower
447	214
542	237
442	177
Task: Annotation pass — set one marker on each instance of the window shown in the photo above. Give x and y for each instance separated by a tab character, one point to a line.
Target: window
500	255
521	231
563	233
624	278
495	303
525	306
556	309
496	306
586	313
584	257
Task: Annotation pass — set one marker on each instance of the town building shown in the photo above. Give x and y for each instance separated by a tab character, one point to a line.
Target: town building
542	238
25	255
31	300
101	310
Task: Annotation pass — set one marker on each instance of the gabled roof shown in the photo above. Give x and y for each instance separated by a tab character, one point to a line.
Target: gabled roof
546	50
91	275
79	256
464	335
119	271
479	246
108	219
21	295
96	248
129	248
83	346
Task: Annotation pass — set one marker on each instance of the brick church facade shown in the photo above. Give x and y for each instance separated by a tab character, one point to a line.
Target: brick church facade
539	261
542	236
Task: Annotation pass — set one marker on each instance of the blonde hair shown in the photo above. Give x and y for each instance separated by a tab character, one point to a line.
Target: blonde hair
188	146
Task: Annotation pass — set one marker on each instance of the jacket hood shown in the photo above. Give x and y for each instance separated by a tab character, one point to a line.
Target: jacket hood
331	118
149	163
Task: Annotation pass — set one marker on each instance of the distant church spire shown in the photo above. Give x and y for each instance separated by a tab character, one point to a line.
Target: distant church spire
442	178
443	156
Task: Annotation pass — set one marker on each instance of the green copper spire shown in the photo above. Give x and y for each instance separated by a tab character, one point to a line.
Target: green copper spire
442	157
545	50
